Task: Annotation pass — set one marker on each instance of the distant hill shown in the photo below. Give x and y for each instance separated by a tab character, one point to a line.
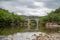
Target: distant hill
31	17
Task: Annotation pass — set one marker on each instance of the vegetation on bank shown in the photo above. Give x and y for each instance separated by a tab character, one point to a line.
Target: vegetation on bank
10	22
53	16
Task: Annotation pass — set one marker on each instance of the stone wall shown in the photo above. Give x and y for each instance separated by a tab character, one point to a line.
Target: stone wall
51	25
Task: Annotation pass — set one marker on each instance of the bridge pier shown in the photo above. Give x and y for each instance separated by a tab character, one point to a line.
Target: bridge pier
28	24
37	22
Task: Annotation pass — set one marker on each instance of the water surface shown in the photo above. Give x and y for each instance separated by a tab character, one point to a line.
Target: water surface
24	36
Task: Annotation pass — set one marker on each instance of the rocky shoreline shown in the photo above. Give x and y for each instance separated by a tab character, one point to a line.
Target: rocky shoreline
33	36
44	36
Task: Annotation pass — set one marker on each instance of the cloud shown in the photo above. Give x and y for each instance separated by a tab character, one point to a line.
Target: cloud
43	0
39	4
53	4
30	7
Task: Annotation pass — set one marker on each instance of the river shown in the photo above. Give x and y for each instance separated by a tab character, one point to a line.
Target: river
22	36
32	36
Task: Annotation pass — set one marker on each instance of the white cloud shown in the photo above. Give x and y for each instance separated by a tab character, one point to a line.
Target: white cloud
18	13
40	4
40	12
35	12
28	7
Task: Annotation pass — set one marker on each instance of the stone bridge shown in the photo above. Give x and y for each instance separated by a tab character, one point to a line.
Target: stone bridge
37	23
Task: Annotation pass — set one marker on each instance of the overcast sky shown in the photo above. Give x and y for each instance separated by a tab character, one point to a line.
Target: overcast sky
30	7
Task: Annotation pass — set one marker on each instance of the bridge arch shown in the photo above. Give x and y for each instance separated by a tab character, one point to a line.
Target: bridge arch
29	26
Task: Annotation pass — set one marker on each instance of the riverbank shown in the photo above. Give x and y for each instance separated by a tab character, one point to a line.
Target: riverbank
50	36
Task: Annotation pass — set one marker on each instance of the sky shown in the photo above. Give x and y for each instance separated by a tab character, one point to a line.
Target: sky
30	7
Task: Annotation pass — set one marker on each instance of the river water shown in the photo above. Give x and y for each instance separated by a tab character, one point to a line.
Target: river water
31	36
23	36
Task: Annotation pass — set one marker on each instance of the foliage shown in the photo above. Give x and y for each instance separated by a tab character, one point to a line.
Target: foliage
10	21
53	16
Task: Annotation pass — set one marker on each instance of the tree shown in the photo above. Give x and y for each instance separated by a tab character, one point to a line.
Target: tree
53	16
7	18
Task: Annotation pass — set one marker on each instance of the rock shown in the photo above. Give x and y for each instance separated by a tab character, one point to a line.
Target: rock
44	36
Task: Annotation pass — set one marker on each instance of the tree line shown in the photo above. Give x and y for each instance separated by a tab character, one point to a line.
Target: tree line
10	22
53	16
